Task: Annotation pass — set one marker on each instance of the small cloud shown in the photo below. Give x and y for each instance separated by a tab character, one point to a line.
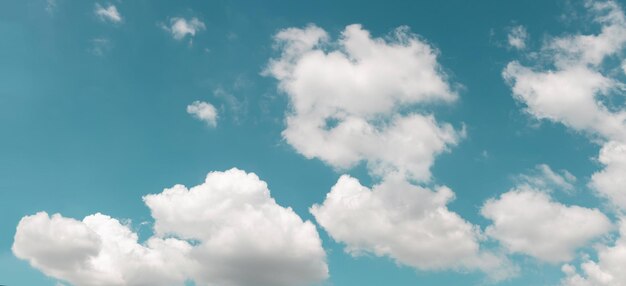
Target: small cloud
180	27
109	13
544	178
99	46
237	107
517	37
203	111
51	6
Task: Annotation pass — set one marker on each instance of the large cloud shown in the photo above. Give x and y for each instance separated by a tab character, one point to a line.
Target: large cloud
226	231
348	98
408	223
528	221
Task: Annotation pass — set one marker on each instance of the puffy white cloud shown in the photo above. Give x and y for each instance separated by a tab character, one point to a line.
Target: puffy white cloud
181	27
575	88
226	231
203	111
109	13
246	238
528	221
408	223
607	271
98	251
517	37
354	99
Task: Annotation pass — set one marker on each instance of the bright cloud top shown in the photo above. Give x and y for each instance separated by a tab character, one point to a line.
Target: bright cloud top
352	99
226	231
109	13
575	82
203	111
181	27
408	223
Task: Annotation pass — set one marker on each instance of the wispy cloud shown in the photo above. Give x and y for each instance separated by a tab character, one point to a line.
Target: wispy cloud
109	13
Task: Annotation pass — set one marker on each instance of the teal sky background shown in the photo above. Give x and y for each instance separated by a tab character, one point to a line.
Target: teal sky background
82	132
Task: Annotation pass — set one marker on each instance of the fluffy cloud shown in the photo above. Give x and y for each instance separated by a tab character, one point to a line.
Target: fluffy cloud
517	37
528	221
607	271
98	251
109	13
354	99
576	89
408	223
181	27
226	231
203	111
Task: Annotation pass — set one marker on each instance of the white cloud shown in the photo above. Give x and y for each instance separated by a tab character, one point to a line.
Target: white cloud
408	223
203	111
226	231
574	88
353	99
528	221
607	271
544	178
98	251
517	37
571	92
109	13
611	181
181	27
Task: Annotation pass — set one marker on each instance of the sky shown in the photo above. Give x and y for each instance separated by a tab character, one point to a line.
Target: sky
291	143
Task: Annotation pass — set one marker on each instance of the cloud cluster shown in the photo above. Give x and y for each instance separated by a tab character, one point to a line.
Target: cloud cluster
364	99
226	231
574	81
203	111
354	99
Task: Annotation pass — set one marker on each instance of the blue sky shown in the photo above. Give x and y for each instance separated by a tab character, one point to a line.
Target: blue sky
479	143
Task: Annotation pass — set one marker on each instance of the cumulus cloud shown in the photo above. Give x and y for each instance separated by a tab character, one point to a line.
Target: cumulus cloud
226	231
528	221
517	37
408	223
607	271
98	250
575	88
181	27
109	13
354	99
203	111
